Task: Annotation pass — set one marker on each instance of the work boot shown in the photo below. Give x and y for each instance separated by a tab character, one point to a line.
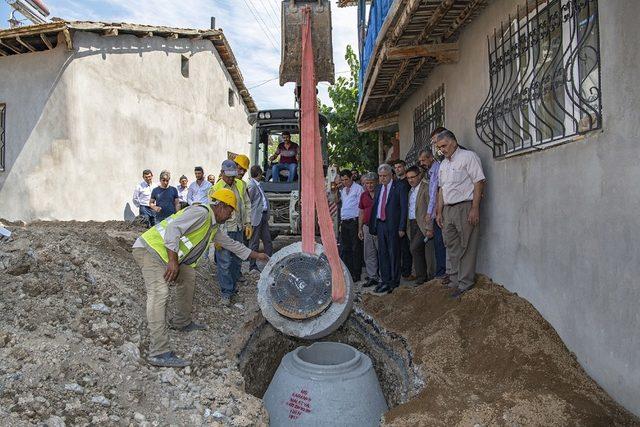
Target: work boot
225	300
168	360
370	283
193	326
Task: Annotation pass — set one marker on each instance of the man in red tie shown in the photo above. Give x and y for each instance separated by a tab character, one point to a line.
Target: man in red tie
389	222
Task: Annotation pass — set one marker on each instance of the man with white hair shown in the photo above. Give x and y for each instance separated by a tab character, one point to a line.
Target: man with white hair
461	182
389	222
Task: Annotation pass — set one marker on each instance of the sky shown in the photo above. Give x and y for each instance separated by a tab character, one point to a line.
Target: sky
252	28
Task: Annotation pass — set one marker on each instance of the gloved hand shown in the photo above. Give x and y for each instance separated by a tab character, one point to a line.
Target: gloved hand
218	246
248	231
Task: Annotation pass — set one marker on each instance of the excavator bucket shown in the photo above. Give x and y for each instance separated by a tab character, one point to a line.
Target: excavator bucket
291	57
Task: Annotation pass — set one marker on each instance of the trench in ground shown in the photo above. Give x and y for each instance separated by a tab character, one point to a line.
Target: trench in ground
262	352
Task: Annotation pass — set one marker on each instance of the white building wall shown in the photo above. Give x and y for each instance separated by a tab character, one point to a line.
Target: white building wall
82	126
560	227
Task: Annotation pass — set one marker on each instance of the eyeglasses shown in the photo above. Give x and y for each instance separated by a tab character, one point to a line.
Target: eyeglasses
164	180
411	177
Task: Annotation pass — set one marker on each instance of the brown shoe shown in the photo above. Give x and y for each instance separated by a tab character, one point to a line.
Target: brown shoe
445	279
409	278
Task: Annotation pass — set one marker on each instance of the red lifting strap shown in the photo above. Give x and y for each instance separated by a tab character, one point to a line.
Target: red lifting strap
313	190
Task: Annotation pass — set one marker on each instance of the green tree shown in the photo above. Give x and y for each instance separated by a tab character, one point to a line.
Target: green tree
347	147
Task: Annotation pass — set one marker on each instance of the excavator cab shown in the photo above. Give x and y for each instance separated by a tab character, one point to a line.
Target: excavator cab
291	57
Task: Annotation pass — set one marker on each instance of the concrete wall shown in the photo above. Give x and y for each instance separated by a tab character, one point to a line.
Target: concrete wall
82	125
560	227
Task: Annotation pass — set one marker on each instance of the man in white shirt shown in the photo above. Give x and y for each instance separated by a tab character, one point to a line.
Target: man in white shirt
142	198
199	189
183	191
259	215
461	182
350	244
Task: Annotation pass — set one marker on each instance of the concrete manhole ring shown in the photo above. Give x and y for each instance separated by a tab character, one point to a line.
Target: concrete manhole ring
294	293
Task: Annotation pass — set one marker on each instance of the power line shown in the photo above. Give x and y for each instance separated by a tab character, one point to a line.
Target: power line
259	16
265	32
272	12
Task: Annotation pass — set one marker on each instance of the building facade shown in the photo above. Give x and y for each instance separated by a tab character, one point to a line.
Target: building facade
547	93
85	107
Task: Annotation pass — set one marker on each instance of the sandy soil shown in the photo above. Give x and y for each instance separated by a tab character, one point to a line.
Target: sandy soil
73	342
489	359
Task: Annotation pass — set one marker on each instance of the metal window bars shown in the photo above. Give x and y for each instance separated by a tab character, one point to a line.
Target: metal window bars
3	109
426	117
544	68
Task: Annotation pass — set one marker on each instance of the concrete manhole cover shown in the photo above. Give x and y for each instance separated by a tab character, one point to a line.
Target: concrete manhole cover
294	293
302	286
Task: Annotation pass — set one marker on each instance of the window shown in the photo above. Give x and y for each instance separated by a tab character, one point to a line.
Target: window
426	117
184	66
231	98
544	77
3	110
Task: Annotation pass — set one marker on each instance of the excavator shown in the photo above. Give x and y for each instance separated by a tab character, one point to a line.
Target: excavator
304	290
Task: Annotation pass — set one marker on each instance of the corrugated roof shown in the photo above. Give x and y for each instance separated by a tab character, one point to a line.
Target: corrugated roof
33	38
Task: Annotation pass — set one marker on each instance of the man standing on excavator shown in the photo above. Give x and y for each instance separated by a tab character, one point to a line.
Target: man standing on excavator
168	252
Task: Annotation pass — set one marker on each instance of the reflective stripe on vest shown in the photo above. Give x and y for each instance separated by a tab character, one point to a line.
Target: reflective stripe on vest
154	237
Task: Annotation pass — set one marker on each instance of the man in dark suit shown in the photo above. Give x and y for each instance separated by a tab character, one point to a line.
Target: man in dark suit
389	222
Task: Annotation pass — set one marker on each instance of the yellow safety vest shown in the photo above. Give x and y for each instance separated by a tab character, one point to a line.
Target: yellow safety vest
241	186
191	246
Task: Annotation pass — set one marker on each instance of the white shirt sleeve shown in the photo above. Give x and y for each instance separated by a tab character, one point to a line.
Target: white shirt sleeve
474	168
229	244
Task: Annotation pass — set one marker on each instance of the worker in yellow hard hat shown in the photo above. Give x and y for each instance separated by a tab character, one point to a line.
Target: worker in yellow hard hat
238	228
243	165
168	252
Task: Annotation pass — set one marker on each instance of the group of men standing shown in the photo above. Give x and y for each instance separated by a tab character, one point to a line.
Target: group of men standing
183	222
420	224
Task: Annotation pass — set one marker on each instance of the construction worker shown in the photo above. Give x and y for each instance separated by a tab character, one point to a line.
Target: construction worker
243	165
168	252
229	264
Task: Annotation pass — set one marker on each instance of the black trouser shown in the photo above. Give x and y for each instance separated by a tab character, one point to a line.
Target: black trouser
388	254
351	247
405	256
261	232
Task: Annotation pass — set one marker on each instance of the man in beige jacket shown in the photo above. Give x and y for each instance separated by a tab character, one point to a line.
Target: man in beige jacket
420	226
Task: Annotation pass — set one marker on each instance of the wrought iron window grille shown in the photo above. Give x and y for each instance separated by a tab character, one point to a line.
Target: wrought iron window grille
544	75
426	117
3	109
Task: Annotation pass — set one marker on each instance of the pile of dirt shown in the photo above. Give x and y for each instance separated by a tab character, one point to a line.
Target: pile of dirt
489	358
73	337
73	340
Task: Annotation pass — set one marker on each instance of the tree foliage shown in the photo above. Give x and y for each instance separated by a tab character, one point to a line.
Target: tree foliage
347	147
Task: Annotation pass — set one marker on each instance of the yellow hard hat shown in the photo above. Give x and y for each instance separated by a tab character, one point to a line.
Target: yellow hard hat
242	161
225	196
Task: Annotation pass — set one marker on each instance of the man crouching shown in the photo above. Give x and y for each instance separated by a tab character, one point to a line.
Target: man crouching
168	252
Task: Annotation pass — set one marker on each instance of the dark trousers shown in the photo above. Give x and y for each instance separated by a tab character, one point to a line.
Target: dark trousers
261	232
441	251
388	254
405	254
149	215
351	247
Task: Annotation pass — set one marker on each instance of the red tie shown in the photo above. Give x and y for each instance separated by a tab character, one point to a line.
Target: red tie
383	207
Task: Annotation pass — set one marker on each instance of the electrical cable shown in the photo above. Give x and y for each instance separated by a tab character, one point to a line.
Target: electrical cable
264	31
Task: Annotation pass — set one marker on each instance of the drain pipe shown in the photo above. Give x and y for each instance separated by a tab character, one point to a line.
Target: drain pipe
326	383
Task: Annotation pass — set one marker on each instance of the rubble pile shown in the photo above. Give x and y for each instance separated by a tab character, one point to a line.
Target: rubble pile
73	338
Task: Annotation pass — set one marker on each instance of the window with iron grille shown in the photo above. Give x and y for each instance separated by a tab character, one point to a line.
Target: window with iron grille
3	109
426	117
544	70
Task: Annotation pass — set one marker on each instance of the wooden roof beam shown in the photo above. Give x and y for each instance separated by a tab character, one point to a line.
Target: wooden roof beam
110	32
379	122
464	15
409	82
46	41
25	44
421	51
67	38
437	16
8	46
404	20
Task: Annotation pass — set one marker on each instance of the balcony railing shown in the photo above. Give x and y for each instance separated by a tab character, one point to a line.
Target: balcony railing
368	35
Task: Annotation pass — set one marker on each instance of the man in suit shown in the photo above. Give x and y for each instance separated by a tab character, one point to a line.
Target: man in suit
259	215
388	222
420	226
